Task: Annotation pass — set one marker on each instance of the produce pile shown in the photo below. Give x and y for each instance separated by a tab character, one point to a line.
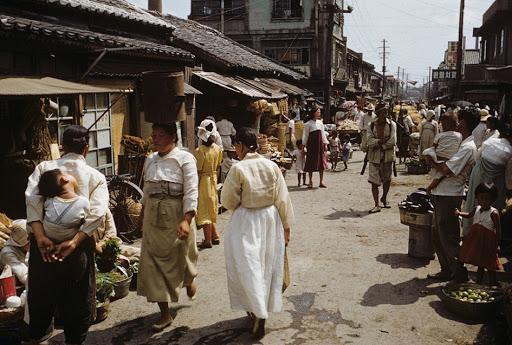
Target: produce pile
136	145
348	125
417	202
5	231
466	294
267	144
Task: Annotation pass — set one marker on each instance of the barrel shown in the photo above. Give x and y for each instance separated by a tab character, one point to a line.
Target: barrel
420	242
164	97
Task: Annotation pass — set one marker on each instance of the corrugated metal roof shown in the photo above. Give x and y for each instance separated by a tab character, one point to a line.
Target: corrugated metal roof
471	57
45	86
284	87
246	87
74	35
116	8
190	90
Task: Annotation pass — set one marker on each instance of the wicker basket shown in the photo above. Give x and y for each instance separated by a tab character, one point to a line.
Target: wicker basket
472	311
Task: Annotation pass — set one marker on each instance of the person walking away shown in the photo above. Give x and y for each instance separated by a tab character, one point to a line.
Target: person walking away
403	132
300	160
316	141
217	139
228	160
479	132
345	150
429	130
447	197
381	155
168	250
62	274
446	145
492	131
227	131
257	233
365	122
490	167
14	253
334	149
209	159
481	246
290	141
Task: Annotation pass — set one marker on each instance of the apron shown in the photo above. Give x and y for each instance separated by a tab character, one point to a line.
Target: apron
167	264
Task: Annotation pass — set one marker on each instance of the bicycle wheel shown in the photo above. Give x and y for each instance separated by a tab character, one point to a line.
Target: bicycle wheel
125	205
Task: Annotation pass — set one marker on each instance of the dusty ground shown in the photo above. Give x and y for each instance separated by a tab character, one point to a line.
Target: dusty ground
353	282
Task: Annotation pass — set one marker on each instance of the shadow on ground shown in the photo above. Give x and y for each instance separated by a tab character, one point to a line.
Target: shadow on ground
404	293
138	331
349	213
400	260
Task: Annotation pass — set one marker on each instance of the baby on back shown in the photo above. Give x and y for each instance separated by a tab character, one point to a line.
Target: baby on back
64	209
446	145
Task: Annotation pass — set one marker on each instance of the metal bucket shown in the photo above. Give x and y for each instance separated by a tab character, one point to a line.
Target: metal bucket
420	243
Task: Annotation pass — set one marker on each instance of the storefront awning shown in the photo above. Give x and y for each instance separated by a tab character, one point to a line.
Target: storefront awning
45	86
284	87
190	90
246	87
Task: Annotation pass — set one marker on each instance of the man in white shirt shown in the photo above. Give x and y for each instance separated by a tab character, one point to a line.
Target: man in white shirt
226	130
368	117
447	197
480	130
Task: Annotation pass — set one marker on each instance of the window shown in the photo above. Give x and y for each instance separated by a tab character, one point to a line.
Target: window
63	115
289	56
212	7
287	9
483	51
100	138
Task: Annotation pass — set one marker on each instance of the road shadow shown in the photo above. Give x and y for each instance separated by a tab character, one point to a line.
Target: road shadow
441	310
349	213
404	293
401	260
138	331
293	189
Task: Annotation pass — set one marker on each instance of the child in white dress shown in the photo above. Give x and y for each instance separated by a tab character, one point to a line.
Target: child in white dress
300	160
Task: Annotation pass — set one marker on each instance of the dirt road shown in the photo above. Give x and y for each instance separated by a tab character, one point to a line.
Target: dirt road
353	282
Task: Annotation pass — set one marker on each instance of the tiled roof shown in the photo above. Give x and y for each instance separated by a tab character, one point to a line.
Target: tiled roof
78	36
116	8
214	48
472	57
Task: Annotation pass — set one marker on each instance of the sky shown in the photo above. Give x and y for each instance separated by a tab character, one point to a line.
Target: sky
417	31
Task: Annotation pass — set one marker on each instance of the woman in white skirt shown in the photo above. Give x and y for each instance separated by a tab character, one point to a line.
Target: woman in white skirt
258	232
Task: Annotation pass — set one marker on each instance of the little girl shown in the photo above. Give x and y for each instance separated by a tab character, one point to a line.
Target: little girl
300	160
480	247
334	148
345	150
64	210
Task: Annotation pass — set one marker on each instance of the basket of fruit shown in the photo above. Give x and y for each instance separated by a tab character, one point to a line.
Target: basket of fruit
472	301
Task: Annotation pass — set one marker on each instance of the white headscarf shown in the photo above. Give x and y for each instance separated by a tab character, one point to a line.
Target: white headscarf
203	133
19	236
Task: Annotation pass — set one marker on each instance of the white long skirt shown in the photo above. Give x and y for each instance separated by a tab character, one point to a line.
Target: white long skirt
254	251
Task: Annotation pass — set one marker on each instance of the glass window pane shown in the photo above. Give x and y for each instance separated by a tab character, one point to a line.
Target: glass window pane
93	140
101	100
89	102
103	139
88	119
104	157
92	159
104	121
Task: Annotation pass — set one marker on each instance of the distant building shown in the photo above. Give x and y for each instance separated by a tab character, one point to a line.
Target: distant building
490	79
292	32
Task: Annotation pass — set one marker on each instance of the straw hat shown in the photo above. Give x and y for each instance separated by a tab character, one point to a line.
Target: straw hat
484	115
19	235
369	107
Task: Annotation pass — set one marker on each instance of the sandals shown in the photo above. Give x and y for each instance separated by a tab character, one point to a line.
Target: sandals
203	245
216	241
385	203
322	186
158	327
258	330
376	209
192	291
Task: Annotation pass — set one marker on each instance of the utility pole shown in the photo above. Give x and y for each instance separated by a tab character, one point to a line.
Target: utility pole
459	49
403	81
384	55
222	16
331	8
398	82
429	82
406	83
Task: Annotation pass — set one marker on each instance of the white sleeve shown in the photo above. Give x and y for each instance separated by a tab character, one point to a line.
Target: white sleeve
459	160
98	204
190	185
34	201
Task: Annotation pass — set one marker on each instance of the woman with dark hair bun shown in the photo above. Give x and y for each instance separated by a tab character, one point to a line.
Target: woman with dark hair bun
168	250
315	140
62	274
259	230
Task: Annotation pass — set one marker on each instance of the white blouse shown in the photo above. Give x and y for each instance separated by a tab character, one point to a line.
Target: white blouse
178	167
91	184
311	126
